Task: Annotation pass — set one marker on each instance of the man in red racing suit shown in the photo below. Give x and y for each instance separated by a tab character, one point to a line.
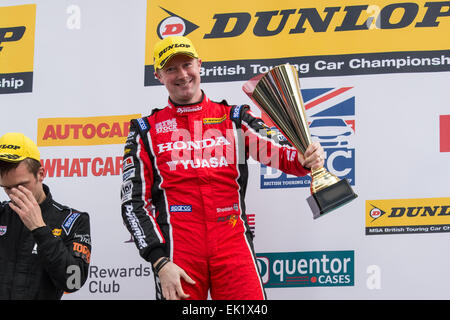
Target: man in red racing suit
184	181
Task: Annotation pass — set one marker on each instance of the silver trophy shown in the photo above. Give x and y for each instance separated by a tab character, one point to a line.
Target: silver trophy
277	94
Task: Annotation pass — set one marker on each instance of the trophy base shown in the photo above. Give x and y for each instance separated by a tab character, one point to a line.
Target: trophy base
330	198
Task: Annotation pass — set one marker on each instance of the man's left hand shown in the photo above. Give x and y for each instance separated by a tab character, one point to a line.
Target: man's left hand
314	156
26	206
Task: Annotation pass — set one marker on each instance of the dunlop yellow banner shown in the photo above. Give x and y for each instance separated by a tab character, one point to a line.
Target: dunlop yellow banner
254	29
83	131
17	29
407	216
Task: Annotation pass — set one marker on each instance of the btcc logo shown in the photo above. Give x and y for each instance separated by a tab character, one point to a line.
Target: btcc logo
11	34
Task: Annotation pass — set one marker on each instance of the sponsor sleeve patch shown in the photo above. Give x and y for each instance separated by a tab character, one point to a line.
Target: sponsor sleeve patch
142	124
236	112
69	221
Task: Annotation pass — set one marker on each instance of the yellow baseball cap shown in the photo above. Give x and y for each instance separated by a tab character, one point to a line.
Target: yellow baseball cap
15	147
170	46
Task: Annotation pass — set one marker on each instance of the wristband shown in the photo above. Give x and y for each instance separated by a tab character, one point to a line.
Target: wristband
161	264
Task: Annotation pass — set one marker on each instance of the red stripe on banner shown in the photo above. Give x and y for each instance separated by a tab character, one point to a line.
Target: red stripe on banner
326	97
445	133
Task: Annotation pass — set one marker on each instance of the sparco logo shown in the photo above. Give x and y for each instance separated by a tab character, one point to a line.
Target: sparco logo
357	17
181	208
174	25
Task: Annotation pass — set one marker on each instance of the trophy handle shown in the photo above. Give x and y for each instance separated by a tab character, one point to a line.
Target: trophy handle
321	178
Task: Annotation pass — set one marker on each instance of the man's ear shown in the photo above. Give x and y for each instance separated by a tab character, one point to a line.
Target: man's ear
157	74
41	174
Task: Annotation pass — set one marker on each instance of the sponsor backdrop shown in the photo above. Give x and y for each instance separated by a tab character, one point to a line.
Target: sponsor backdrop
374	78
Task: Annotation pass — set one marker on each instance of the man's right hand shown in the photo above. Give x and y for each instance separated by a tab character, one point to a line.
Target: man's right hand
170	277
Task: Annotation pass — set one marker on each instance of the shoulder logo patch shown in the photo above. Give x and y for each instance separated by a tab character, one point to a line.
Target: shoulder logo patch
69	221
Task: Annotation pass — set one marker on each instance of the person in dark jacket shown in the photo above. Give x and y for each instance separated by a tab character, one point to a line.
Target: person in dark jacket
45	247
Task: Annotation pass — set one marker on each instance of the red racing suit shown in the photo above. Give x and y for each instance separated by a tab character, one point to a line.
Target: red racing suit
184	181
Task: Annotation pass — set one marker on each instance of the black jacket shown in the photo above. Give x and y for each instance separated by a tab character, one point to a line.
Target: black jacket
44	263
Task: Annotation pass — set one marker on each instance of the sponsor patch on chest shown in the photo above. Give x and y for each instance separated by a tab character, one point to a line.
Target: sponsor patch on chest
166	126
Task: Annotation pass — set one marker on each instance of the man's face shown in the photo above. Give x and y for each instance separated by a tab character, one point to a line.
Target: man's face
181	76
22	176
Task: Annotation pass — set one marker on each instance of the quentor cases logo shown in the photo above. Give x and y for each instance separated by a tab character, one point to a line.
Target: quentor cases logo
17	26
429	215
307	269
